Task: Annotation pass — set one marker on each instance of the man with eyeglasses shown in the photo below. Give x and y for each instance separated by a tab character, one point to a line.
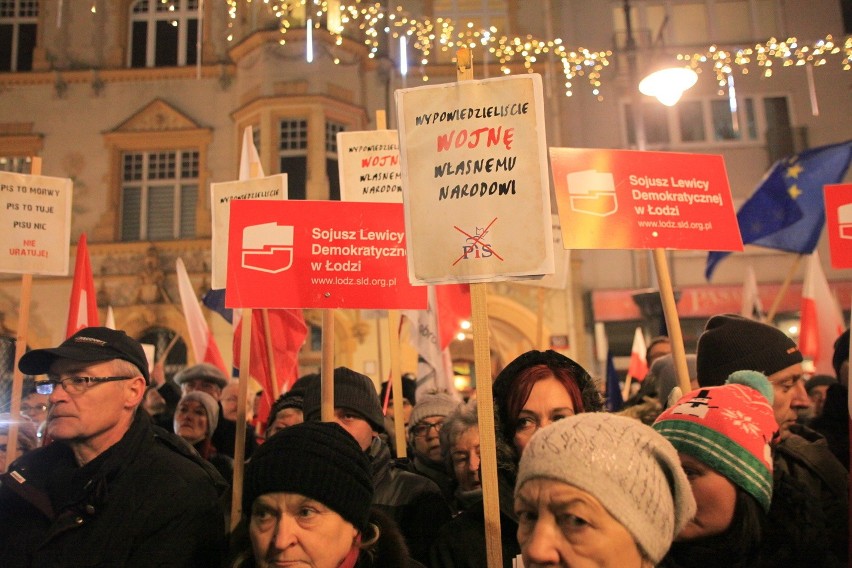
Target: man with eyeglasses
426	421
111	489
34	406
412	501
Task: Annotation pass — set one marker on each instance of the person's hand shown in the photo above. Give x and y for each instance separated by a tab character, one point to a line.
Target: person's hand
158	374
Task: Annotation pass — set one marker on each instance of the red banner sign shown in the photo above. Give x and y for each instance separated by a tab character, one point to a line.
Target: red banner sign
319	254
623	199
838	223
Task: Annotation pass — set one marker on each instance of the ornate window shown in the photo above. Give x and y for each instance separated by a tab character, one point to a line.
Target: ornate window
164	33
159	192
18	23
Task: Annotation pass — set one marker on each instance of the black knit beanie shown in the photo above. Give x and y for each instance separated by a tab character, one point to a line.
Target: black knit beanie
733	343
319	460
293	398
352	391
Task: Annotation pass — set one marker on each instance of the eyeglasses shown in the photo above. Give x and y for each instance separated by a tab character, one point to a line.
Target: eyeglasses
423	428
33	407
73	385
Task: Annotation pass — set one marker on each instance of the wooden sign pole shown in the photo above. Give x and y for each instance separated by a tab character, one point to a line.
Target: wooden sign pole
484	396
20	348
327	367
240	441
672	320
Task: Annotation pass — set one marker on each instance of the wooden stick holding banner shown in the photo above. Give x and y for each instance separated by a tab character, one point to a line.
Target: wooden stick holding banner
327	367
20	348
484	396
240	441
395	363
167	350
672	321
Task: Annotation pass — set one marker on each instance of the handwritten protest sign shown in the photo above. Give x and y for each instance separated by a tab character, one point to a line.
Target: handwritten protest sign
36	224
624	199
838	223
319	254
369	166
221	195
474	178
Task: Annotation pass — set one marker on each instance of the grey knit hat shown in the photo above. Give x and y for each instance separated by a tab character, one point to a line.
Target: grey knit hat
203	371
632	470
209	403
435	404
319	460
733	343
352	391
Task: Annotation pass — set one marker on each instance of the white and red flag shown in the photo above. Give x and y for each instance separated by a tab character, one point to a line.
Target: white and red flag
203	345
822	320
83	306
638	364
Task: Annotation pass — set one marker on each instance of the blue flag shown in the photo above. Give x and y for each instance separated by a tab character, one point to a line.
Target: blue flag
787	212
215	300
614	401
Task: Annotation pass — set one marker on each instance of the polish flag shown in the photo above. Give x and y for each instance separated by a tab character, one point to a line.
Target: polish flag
752	307
83	306
822	320
203	345
638	364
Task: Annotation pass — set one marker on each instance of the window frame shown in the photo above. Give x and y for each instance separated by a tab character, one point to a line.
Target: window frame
183	15
16	21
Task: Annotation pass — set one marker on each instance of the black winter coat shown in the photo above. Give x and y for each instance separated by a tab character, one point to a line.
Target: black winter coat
149	500
412	501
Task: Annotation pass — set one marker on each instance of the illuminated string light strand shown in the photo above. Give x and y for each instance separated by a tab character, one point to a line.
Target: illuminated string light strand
428	36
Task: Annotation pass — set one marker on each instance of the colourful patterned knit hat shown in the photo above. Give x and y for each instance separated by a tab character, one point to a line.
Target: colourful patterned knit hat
729	428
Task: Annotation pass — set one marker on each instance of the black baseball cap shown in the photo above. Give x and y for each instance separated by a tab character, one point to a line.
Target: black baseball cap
88	344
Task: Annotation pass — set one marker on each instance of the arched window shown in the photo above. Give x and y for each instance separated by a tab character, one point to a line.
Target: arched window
164	33
18	23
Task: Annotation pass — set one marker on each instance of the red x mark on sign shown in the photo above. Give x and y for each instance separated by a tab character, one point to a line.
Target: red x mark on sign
477	239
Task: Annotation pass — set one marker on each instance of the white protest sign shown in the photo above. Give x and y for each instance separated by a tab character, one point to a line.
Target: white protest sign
475	180
369	166
562	262
36	224
221	194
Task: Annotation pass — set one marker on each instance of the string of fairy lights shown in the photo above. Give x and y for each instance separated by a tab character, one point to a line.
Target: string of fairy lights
381	26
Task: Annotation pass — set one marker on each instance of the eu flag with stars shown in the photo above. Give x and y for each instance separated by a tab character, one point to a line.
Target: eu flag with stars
787	211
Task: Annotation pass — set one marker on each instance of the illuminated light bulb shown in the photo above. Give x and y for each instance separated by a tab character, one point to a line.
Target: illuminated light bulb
668	85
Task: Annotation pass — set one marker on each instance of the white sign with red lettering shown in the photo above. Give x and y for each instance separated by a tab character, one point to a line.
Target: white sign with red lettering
369	166
36	224
475	180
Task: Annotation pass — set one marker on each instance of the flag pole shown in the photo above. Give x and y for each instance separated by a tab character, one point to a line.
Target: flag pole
270	355
484	394
794	268
20	347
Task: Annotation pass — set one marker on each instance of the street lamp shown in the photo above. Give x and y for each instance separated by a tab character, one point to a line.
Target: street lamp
668	84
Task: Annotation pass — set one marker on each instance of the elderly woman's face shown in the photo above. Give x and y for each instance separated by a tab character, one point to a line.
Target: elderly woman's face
547	403
288	529
715	498
466	461
561	525
191	421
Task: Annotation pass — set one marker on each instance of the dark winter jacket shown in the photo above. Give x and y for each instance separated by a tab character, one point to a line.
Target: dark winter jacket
461	542
822	481
149	500
412	501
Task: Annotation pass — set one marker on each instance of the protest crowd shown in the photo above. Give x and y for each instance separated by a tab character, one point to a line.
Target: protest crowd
744	470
